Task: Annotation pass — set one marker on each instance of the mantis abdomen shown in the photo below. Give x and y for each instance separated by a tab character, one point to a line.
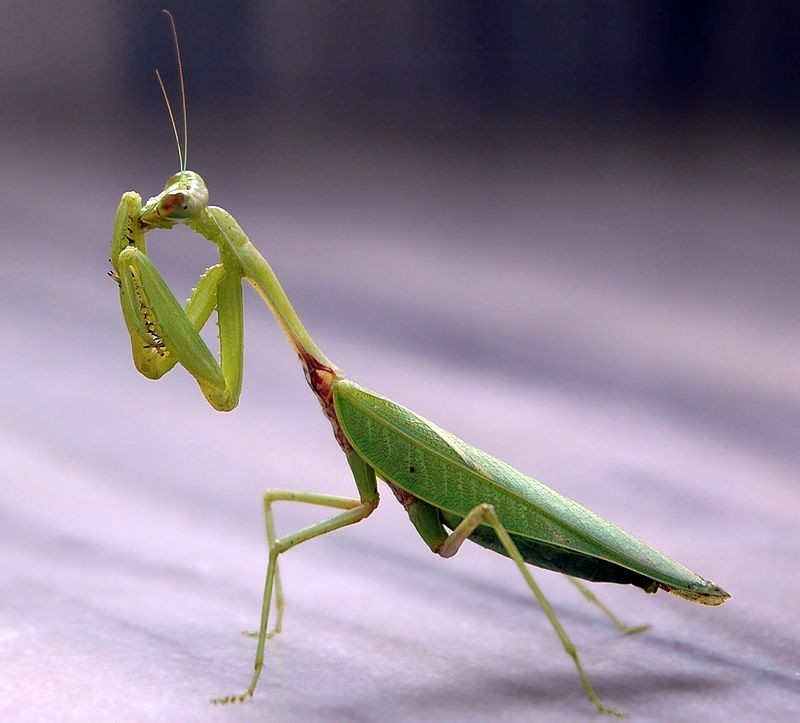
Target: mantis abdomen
552	531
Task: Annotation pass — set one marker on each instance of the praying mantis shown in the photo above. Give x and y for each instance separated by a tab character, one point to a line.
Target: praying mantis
452	491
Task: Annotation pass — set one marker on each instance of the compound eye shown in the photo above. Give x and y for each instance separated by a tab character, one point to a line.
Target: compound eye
174	204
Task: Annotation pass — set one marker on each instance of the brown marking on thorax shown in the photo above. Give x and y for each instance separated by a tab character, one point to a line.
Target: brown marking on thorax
321	378
404	498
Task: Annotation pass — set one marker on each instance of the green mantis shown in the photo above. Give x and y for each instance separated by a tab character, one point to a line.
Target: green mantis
451	491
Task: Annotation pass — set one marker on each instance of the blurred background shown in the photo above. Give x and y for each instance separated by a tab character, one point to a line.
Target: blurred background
416	64
565	231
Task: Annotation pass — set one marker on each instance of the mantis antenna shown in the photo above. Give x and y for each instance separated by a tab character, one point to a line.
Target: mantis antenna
182	154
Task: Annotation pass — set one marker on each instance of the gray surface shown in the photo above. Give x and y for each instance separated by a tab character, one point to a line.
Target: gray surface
618	318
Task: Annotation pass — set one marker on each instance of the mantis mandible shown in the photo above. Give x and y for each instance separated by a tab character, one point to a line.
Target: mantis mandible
451	491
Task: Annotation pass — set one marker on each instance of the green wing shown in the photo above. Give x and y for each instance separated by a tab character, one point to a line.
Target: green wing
441	469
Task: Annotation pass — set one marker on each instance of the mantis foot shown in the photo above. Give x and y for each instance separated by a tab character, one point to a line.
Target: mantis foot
610	711
271	634
228	699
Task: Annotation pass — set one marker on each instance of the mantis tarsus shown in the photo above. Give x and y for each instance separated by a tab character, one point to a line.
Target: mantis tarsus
452	491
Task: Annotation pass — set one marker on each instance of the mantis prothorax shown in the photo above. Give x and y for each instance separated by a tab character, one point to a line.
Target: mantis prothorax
452	491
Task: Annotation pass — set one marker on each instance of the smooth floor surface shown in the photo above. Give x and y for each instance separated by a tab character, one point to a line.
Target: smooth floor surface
617	318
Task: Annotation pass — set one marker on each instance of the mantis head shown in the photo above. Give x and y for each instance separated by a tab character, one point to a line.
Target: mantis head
184	196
